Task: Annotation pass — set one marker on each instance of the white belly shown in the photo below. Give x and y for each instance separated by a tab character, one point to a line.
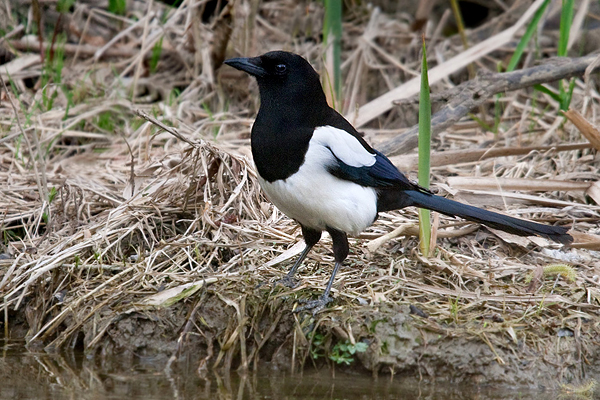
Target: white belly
316	199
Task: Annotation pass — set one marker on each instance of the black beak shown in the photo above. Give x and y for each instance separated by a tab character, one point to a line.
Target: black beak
249	65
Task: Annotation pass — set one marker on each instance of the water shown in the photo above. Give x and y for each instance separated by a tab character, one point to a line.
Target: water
26	375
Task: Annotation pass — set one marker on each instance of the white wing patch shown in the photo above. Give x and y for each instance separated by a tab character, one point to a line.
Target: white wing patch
344	146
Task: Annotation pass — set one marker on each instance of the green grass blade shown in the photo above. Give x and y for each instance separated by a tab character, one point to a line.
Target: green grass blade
566	100
566	19
117	7
548	91
424	154
63	6
516	57
156	52
531	28
332	36
484	125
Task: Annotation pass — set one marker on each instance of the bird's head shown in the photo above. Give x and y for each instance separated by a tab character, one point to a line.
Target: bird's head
282	75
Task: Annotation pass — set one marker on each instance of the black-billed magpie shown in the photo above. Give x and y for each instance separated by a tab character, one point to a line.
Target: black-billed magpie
317	169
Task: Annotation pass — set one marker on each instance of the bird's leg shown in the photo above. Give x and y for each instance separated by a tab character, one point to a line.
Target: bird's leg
288	280
311	237
340	252
324	299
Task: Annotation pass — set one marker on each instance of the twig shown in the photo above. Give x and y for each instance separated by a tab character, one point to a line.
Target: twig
86	50
471	94
162	126
18	29
591	133
409	162
413	230
132	170
399	231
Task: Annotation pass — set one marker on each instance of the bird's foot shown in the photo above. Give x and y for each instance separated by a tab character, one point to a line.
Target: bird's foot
314	305
288	281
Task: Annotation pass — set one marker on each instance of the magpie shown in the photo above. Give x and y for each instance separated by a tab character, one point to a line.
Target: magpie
318	170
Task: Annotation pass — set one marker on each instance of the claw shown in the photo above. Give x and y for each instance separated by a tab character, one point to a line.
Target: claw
288	281
314	305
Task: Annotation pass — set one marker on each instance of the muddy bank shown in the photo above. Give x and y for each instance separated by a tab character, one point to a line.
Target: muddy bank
257	328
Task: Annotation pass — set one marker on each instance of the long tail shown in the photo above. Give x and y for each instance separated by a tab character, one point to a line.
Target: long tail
493	220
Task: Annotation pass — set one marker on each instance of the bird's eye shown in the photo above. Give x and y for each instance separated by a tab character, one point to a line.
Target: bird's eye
280	68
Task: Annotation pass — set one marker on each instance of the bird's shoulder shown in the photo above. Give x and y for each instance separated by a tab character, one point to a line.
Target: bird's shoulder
355	159
335	120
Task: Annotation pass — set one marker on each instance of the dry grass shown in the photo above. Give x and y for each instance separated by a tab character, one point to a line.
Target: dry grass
100	209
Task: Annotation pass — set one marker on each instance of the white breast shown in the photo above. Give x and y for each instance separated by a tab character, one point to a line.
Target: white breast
316	199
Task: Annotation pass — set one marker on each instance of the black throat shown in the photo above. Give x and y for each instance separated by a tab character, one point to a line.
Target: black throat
288	115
